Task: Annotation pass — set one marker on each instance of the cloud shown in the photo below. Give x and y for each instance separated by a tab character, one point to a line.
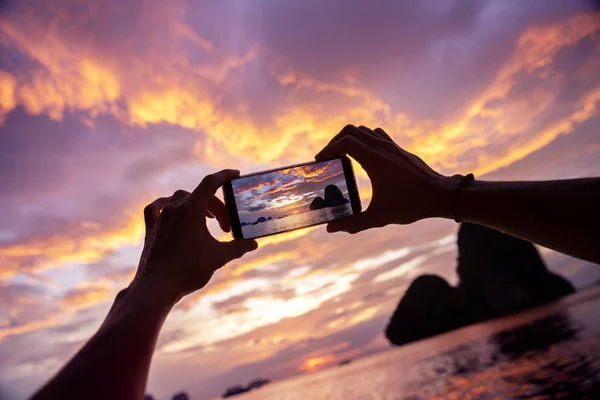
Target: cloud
24	309
257	208
86	295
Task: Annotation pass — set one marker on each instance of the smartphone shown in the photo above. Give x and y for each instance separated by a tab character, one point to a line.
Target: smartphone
293	197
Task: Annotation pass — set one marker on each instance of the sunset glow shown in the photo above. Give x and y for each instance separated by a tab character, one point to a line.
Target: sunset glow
105	106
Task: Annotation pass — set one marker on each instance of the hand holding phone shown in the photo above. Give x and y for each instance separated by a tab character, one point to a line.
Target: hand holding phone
289	198
405	188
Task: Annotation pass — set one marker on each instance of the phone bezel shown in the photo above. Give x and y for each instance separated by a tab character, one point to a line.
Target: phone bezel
229	198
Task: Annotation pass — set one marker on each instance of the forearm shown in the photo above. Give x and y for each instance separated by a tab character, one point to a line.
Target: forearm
561	215
115	362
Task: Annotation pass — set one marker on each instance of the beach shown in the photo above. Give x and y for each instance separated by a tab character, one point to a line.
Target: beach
549	352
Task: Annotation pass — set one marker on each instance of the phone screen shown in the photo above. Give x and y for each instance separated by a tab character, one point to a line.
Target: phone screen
291	198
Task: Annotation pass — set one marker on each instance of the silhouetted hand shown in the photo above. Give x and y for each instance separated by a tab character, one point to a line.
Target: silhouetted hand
180	255
405	189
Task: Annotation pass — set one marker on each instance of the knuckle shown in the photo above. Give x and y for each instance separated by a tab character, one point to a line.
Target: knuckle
169	209
180	193
210	180
348	128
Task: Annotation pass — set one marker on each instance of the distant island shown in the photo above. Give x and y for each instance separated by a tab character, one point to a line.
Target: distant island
258	221
333	197
239	389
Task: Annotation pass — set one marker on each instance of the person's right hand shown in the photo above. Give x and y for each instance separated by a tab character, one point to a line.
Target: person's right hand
405	189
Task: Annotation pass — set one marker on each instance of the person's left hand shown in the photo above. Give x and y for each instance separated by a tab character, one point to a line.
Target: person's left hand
180	255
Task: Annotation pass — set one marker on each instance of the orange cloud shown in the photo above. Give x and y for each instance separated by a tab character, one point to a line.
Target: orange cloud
79	245
86	295
535	53
30	326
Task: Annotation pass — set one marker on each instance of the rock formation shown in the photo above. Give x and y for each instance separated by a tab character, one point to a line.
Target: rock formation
333	197
239	389
317	203
498	275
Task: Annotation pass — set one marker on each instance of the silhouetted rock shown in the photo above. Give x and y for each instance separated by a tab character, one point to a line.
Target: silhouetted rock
429	306
505	273
498	274
239	389
232	391
255	384
333	197
181	396
317	203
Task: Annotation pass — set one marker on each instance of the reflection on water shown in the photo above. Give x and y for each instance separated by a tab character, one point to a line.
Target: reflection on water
549	353
296	221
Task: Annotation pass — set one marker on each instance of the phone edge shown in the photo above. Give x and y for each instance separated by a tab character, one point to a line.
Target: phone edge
231	206
352	185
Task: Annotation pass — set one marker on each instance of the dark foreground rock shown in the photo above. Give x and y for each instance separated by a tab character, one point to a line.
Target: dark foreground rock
317	203
239	389
181	396
498	275
333	197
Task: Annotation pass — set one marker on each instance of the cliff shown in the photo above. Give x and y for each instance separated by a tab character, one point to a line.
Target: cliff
498	275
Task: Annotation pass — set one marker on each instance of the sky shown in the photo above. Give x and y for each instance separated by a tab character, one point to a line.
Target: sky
286	192
107	105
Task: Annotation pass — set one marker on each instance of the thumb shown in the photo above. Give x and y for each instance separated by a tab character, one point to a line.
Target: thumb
237	248
352	224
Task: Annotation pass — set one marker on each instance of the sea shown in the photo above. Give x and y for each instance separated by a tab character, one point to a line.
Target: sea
551	352
296	221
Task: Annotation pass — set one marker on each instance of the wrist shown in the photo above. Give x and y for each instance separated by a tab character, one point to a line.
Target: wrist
154	293
443	196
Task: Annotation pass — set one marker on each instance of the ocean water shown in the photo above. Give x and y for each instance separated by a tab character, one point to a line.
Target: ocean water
546	353
296	221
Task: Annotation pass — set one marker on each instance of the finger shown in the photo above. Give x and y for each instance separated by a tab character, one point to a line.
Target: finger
152	212
351	146
378	133
359	134
209	185
383	134
369	131
178	195
353	224
237	248
216	209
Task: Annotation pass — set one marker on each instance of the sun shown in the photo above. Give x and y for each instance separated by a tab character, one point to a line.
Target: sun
316	363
